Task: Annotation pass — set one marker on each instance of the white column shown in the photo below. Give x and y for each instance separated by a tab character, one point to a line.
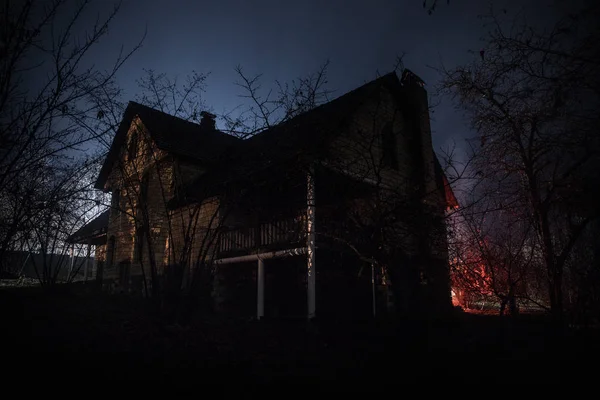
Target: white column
87	262
94	270
72	262
310	236
260	293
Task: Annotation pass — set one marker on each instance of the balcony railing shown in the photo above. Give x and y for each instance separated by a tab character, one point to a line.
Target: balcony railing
266	235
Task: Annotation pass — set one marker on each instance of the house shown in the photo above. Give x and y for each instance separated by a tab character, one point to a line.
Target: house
338	211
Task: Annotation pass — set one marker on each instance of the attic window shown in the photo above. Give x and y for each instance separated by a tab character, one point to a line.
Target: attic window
133	145
389	147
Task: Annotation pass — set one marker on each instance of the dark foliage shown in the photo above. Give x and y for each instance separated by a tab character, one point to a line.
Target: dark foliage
115	340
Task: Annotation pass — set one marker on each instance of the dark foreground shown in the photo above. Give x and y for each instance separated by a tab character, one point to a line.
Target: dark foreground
97	340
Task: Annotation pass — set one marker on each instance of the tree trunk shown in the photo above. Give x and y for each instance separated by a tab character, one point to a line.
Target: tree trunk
556	297
512	302
503	305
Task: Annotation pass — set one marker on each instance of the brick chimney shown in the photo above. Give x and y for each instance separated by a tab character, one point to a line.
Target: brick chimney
208	120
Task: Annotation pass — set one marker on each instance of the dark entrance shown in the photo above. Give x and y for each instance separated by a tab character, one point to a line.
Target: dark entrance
285	288
344	288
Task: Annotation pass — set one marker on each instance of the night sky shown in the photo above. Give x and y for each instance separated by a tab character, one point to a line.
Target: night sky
284	40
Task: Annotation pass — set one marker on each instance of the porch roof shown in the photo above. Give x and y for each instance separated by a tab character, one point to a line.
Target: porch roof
94	232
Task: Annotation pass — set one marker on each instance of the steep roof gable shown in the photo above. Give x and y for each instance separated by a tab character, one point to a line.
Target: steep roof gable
172	134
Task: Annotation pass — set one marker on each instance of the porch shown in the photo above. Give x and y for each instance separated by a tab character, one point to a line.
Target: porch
267	236
274	238
92	237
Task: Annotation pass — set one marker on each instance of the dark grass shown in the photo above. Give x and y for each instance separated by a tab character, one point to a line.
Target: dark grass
83	337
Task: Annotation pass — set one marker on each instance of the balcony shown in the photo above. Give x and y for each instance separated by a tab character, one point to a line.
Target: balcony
267	236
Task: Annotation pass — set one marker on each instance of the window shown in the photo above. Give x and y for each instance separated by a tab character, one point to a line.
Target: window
389	147
133	145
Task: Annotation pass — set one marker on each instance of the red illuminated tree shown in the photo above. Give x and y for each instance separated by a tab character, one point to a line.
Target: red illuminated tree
533	99
495	259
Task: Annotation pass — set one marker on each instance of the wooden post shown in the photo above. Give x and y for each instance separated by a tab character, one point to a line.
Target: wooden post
310	239
260	294
94	269
72	262
87	262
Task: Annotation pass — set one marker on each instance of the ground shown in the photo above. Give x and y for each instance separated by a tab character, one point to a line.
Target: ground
98	339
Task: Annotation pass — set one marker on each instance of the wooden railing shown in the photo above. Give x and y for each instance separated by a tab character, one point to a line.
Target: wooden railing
291	230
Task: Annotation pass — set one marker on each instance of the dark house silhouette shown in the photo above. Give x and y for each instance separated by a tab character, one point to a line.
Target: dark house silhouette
336	212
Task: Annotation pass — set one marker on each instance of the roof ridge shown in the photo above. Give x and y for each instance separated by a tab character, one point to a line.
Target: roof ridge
193	124
136	104
320	106
379	79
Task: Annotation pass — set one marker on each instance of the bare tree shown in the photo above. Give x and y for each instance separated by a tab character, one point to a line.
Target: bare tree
532	96
174	246
62	202
380	211
430	6
171	247
53	106
495	259
278	103
167	243
169	95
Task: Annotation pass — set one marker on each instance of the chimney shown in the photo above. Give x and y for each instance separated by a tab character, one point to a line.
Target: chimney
208	120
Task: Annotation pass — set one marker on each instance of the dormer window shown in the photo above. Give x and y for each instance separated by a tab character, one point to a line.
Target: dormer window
389	147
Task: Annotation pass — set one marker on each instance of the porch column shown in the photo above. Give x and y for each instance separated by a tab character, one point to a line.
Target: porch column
260	294
72	262
95	262
310	239
87	262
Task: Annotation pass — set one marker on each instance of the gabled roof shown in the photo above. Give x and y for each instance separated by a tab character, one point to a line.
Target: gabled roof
309	128
301	135
233	158
171	134
307	131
